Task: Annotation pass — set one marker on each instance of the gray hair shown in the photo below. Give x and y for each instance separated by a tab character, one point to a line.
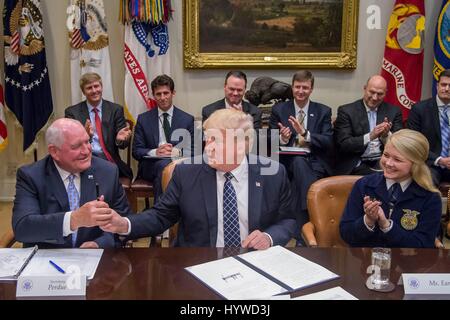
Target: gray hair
55	133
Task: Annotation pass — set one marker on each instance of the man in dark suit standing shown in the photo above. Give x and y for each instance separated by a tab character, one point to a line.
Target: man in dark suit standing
232	200
62	199
431	118
361	129
104	122
306	124
234	89
161	133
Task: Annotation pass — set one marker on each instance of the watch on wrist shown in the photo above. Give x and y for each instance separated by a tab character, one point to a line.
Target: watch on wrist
304	134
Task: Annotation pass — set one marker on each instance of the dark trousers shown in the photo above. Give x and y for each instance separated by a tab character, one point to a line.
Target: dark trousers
366	167
439	175
151	170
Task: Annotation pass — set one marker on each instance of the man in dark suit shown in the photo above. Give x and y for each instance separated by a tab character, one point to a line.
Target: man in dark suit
306	124
234	89
158	135
95	110
230	201
62	199
362	127
430	117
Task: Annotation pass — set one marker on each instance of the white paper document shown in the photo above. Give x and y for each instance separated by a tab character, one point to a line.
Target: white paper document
84	260
336	293
13	260
260	274
288	267
294	149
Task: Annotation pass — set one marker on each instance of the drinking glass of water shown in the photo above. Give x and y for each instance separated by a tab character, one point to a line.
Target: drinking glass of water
381	263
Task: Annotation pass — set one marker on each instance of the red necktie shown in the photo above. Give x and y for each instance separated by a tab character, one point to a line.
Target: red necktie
98	127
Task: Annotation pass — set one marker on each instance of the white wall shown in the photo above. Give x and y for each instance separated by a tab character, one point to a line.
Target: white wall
196	88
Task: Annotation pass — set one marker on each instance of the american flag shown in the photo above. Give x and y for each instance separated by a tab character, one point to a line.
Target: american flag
77	40
3	130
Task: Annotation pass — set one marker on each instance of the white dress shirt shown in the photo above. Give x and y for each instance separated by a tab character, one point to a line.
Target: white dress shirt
162	136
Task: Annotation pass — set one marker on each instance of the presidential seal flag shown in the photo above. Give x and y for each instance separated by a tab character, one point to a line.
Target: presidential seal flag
403	54
3	129
441	44
27	85
146	50
89	42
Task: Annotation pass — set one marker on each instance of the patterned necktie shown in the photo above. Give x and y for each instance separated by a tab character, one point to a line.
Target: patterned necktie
166	126
301	117
394	193
231	234
98	128
445	130
74	201
372	119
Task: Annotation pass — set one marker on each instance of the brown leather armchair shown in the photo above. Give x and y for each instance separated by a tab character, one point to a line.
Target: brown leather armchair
326	201
7	239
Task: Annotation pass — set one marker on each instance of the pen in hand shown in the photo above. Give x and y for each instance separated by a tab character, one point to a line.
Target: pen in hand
97	191
56	266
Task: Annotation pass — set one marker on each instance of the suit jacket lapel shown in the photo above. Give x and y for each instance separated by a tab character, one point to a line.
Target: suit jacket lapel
56	185
255	185
154	126
175	120
84	112
87	186
209	189
106	121
435	119
363	117
312	117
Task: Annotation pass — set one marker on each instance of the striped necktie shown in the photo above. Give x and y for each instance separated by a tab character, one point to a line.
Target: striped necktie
74	201
444	132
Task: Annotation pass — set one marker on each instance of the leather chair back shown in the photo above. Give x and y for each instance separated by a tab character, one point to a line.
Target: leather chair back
326	202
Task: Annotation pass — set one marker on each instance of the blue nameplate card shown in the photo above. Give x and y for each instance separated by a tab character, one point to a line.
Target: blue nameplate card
426	283
51	286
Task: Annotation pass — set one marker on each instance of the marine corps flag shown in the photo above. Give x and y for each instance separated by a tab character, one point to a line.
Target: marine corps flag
441	44
146	50
3	129
27	85
89	42
403	54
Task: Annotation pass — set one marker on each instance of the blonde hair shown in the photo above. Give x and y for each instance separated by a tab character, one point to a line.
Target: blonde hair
224	119
415	147
89	77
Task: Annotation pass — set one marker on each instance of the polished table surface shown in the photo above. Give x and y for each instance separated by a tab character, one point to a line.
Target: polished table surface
158	273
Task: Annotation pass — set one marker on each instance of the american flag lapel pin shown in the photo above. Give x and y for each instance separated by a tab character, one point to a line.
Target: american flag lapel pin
258	184
90	176
311	114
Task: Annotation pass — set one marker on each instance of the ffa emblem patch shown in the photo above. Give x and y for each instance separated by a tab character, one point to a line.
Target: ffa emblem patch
409	219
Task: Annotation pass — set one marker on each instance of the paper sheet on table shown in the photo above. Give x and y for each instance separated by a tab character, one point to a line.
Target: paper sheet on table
336	293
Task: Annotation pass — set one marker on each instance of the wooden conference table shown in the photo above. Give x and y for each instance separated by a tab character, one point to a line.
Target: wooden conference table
158	273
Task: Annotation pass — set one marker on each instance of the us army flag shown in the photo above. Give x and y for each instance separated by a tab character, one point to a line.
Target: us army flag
89	42
441	44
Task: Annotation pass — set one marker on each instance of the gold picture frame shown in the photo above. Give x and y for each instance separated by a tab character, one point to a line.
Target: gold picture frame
195	57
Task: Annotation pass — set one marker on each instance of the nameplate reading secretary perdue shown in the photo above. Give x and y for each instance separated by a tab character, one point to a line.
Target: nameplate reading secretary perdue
51	286
426	283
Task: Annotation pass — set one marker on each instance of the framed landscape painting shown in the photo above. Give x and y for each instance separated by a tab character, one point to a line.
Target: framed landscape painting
270	33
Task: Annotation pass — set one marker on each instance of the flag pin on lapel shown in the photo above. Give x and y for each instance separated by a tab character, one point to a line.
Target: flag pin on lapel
311	114
258	184
90	176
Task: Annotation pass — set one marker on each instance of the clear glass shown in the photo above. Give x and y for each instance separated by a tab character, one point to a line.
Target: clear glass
381	258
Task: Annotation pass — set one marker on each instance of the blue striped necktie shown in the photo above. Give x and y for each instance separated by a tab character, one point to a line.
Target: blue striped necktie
231	234
444	132
74	201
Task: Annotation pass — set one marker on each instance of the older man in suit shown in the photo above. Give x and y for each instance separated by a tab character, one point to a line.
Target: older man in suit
104	122
361	129
158	134
306	124
234	89
62	199
229	201
431	118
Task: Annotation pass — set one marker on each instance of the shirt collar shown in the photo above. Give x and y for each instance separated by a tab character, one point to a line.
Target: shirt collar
63	173
403	184
228	106
241	171
170	112
367	108
305	108
99	107
439	102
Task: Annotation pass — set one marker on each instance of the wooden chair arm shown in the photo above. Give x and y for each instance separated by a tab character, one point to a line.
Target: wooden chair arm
308	234
7	239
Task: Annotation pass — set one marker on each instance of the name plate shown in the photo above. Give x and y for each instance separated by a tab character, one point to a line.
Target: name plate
426	283
51	286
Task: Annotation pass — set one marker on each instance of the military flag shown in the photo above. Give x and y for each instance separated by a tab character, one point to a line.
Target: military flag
27	84
146	50
89	42
441	43
403	54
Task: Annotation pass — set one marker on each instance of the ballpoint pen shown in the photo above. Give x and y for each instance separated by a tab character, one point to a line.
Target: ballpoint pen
97	190
56	266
